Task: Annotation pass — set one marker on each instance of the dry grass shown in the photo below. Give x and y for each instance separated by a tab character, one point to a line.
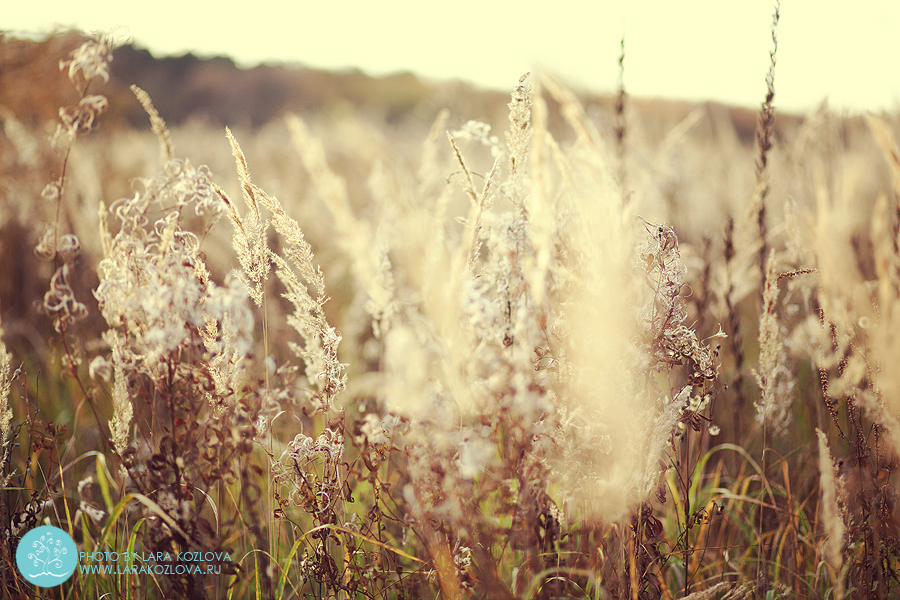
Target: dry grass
517	369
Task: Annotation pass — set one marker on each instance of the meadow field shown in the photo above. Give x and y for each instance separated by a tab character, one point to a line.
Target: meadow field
580	349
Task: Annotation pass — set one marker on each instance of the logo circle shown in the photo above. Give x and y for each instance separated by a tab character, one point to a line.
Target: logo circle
46	556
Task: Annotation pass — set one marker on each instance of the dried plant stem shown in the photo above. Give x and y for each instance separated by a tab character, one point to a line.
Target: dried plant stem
74	120
686	512
621	130
762	578
764	135
736	338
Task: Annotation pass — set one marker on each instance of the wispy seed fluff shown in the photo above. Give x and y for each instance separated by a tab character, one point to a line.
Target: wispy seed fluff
156	295
615	425
6	379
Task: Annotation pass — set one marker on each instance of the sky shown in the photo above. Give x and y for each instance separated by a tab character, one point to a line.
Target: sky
691	49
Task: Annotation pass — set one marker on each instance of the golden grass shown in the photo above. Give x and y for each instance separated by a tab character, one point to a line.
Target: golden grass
484	369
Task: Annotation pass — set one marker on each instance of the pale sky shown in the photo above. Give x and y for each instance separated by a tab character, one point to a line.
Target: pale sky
690	49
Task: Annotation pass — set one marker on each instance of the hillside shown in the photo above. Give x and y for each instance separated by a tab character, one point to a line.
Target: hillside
217	91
